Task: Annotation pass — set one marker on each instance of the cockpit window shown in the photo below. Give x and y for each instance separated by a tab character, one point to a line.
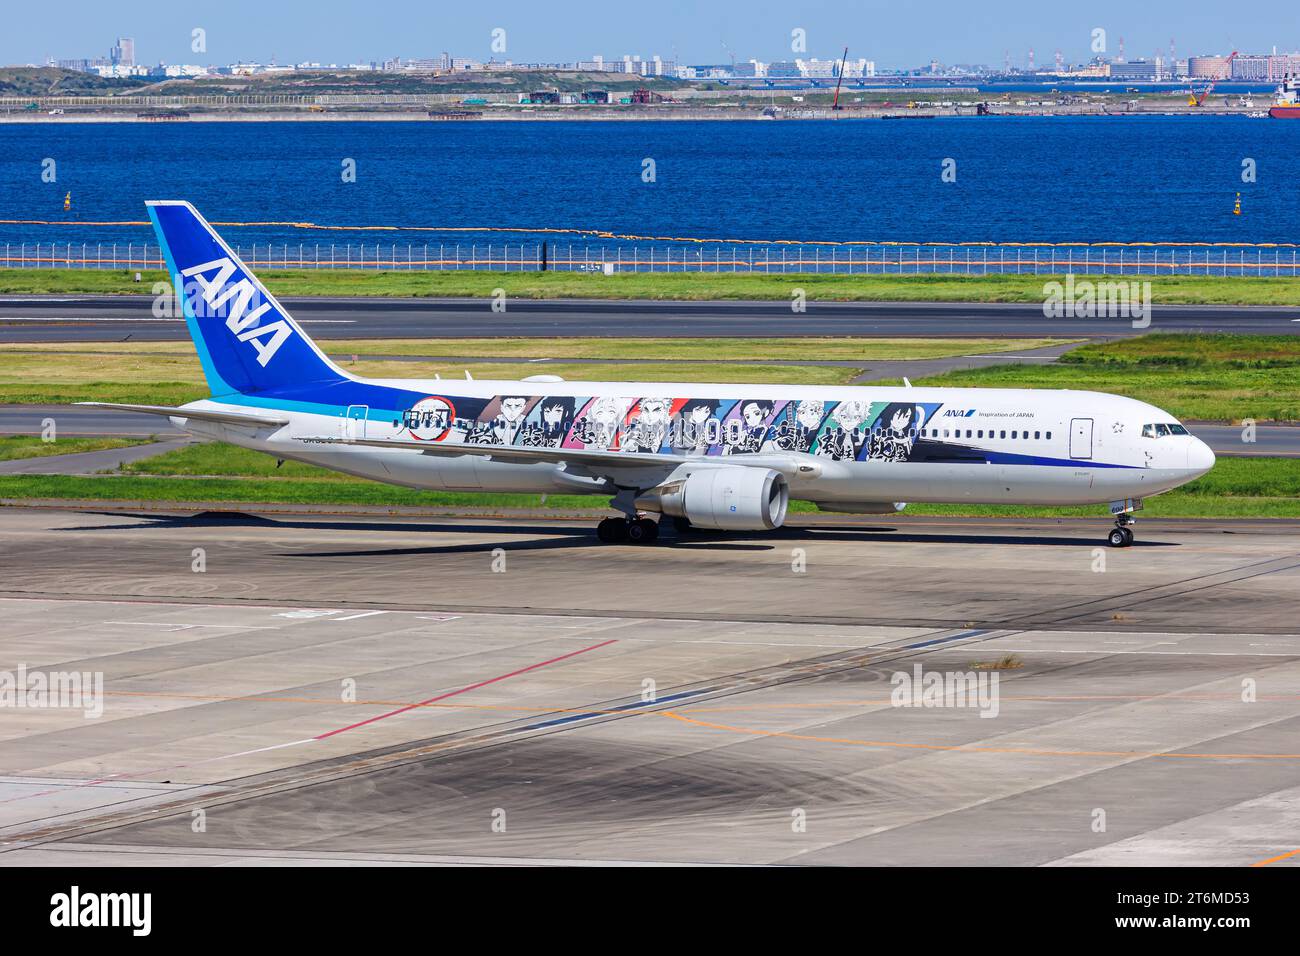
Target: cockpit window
1162	430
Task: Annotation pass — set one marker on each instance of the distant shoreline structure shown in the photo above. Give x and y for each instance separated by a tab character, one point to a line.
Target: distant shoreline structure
552	115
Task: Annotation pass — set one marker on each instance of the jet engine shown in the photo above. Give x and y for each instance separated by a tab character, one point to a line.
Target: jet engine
726	498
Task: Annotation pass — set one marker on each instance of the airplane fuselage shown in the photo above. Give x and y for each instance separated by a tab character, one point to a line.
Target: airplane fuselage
863	444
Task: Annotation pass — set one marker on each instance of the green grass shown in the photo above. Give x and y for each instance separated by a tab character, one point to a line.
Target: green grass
674	349
1236	488
1186	350
13	447
60	377
230	461
1216	377
1169	290
168	372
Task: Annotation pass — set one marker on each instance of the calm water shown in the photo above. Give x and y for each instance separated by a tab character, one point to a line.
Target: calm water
1021	179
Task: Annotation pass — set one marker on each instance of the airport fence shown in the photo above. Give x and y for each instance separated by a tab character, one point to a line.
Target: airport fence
1114	260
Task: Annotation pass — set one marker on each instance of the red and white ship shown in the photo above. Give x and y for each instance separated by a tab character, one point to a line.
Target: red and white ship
1287	105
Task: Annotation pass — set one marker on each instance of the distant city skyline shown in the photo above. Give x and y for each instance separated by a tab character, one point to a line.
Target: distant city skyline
900	35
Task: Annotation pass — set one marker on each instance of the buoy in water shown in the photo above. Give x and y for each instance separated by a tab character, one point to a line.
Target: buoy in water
1236	206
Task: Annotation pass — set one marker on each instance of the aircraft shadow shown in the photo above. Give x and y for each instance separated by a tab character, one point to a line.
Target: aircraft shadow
560	536
919	537
587	540
216	519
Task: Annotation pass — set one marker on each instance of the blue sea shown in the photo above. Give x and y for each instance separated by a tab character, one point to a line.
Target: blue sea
1018	179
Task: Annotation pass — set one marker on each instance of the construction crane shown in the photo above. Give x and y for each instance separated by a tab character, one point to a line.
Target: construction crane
731	54
835	104
1199	99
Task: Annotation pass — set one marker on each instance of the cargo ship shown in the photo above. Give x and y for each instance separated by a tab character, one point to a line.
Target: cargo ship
1287	105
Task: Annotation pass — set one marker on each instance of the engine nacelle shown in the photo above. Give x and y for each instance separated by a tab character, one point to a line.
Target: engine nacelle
727	498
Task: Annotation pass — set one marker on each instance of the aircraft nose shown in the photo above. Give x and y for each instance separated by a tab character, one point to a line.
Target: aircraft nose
1200	458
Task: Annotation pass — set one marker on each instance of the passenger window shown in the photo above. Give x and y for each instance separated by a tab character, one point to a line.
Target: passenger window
1004	433
981	433
1013	434
968	433
1035	436
1049	436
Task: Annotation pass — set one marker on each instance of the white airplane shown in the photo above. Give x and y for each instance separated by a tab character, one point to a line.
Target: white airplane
724	457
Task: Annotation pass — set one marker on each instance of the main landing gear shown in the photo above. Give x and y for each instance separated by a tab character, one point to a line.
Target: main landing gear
629	530
1121	536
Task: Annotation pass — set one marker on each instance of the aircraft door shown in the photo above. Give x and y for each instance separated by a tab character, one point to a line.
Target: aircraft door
354	422
1081	438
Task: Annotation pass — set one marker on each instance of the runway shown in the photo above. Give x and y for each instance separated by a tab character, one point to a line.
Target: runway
459	691
114	318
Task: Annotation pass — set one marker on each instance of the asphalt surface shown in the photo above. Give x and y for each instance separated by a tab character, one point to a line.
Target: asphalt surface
73	422
89	462
114	318
352	689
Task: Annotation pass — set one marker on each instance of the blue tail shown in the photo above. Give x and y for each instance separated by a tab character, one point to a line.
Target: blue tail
246	340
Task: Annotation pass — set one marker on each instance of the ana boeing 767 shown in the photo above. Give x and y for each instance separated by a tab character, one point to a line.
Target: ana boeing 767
726	457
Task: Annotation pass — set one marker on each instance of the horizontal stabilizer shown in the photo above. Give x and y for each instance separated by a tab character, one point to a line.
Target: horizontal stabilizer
198	414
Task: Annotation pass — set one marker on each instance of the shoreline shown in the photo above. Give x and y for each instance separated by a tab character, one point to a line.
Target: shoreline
562	115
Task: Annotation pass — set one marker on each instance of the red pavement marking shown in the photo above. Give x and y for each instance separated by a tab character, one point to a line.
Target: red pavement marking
330	733
453	693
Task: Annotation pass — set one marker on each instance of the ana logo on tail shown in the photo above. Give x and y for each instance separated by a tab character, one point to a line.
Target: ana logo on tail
233	300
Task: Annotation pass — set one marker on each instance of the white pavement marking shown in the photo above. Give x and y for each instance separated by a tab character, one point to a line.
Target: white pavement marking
176	626
357	617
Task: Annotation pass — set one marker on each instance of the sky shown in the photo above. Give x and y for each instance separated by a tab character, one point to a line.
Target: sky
901	33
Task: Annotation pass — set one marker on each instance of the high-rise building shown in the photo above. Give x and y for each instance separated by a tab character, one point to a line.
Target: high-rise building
123	53
1208	67
1250	67
1282	66
1136	70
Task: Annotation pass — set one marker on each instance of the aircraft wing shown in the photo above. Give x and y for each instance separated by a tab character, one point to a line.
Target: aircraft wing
198	414
805	466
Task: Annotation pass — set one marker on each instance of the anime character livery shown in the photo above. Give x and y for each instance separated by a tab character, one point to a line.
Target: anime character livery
716	456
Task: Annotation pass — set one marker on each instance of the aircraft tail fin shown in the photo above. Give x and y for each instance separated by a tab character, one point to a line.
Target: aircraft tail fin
247	342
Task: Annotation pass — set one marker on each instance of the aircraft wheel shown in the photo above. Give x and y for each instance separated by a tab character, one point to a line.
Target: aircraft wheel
642	531
1120	537
612	530
1128	536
